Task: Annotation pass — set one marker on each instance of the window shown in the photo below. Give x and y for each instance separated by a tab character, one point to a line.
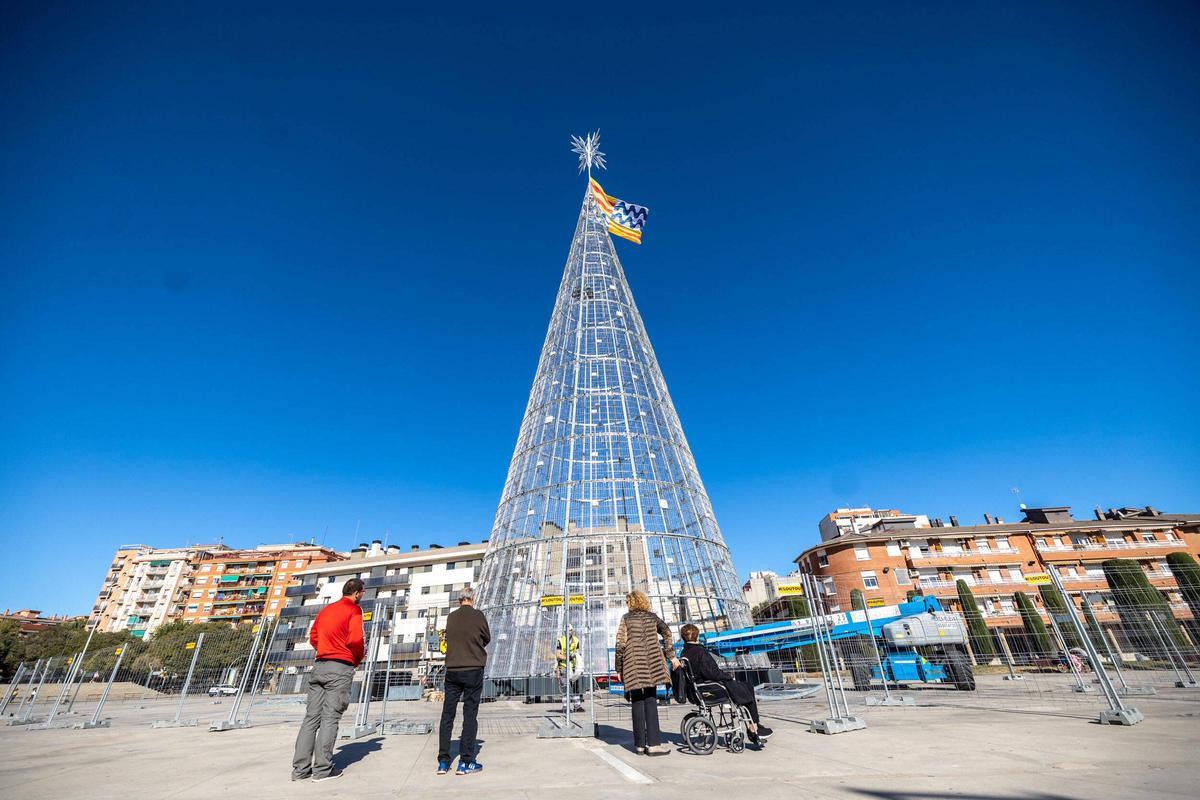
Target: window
1171	537
278	590
274	604
283	564
902	577
1043	542
861	554
208	606
983	545
426	589
201	580
893	549
1148	537
828	584
212	592
205	568
197	594
822	561
869	580
193	607
1002	542
451	565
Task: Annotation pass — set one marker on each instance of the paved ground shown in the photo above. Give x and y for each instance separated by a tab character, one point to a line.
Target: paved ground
970	750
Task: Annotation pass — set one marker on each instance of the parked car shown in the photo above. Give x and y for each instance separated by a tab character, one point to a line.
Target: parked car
222	691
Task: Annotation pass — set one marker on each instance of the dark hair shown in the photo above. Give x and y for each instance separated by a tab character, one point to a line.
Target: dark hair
689	632
351	586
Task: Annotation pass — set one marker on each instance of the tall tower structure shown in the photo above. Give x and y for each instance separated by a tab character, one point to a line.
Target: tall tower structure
602	495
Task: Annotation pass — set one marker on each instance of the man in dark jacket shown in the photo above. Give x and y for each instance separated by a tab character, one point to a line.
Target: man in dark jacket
467	634
704	668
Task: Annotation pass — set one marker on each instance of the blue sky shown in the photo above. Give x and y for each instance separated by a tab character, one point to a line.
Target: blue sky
283	272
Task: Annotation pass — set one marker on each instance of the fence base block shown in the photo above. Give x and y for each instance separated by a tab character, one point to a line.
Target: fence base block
1126	716
1132	691
404	727
226	725
1183	685
84	726
170	723
1014	677
557	728
22	722
1083	689
358	731
894	700
837	725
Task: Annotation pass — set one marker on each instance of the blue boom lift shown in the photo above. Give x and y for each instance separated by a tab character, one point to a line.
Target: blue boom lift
917	642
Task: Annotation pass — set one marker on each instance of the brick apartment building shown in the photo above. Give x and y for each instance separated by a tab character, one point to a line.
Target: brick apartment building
30	621
239	586
887	555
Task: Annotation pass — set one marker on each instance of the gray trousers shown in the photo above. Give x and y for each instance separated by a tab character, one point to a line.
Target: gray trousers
328	697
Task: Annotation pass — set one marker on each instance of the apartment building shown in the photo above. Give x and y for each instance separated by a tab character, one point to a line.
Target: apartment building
30	621
420	583
112	591
153	582
902	553
238	586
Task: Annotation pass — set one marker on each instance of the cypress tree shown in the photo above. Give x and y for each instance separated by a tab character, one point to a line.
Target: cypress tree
1137	599
1035	629
981	637
1055	603
1187	576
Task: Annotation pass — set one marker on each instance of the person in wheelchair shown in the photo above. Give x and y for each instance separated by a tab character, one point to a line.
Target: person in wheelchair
704	668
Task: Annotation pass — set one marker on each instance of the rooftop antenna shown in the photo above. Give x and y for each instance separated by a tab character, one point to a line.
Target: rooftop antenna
357	525
1017	491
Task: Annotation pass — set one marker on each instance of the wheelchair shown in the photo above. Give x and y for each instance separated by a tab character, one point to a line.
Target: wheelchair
715	718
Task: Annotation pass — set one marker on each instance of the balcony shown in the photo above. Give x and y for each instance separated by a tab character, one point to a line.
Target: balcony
301	590
384	581
300	611
290	656
991	551
1084	547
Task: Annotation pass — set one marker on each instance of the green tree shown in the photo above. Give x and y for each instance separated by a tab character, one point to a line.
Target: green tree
1055	603
1037	639
1144	612
12	649
1187	576
981	637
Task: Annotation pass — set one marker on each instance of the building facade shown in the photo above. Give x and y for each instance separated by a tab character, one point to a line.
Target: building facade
420	586
110	599
238	586
900	554
155	580
30	621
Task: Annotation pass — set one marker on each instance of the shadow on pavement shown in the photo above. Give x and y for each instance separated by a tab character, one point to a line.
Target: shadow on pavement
892	795
354	752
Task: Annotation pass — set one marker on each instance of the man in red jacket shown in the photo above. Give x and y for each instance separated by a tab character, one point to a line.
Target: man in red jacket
337	636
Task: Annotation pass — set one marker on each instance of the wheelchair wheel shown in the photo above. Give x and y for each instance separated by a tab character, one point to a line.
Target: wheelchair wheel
737	742
683	723
700	735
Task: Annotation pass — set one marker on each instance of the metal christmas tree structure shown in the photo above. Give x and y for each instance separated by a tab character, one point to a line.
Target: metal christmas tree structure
602	495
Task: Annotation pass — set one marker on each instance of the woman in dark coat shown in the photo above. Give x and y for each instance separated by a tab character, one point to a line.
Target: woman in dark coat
641	661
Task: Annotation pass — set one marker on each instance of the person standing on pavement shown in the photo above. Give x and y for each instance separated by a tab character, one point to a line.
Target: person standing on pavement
337	636
641	663
467	634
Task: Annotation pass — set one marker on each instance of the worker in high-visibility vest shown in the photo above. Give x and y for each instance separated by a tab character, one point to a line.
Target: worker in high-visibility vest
566	658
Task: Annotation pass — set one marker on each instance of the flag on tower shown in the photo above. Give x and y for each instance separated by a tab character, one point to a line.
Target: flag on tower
624	219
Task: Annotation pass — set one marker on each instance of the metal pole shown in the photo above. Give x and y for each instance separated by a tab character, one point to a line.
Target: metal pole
805	579
237	699
262	663
79	671
1164	636
12	687
108	686
387	673
37	690
68	679
187	682
839	687
887	694
1062	643
37	665
1111	658
1118	713
149	679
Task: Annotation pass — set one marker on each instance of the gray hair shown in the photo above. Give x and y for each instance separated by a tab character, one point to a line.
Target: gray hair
466	595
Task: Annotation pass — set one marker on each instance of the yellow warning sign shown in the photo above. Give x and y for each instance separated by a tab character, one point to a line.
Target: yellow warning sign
190	646
1037	578
117	652
575	599
874	602
790	589
551	600
367	616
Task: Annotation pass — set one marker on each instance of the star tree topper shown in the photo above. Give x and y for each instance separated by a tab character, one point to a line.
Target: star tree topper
588	150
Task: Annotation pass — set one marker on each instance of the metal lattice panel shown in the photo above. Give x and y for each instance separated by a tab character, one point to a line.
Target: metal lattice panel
602	494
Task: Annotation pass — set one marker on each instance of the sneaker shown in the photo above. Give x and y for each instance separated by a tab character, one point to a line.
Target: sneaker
468	767
764	732
443	767
658	750
337	773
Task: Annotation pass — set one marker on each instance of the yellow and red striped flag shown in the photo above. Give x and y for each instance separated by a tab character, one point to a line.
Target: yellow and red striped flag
624	219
